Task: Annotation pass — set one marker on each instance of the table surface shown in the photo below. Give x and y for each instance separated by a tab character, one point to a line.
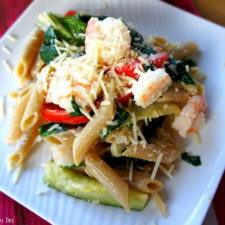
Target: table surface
14	213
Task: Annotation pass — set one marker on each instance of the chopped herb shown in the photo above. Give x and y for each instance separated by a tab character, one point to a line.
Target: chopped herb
86	18
178	71
75	107
48	129
48	51
192	159
74	166
120	118
149	66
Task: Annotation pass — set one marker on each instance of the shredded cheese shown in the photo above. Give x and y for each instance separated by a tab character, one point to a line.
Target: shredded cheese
6	50
88	99
12	37
166	172
18	174
134	126
157	163
2	108
131	170
43	189
86	114
7	66
104	89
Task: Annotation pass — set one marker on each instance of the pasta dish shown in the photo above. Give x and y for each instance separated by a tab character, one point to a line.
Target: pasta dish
110	103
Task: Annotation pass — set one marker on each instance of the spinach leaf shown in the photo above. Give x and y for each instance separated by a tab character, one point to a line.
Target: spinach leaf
192	159
60	30
149	66
120	118
76	108
75	27
74	166
86	18
178	71
48	129
138	44
48	51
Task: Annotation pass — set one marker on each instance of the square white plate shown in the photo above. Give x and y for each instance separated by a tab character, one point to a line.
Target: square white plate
189	194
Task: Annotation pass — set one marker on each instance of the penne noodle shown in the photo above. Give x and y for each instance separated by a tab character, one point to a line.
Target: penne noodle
152	151
37	66
90	133
32	113
141	181
62	147
15	132
161	206
23	148
64	139
183	49
109	179
28	57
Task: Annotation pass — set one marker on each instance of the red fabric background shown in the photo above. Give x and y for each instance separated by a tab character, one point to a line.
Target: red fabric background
10	10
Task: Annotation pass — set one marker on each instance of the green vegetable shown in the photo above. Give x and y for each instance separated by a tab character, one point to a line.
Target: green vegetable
192	159
138	44
84	187
61	31
178	71
149	66
74	166
45	130
86	18
120	118
75	107
48	51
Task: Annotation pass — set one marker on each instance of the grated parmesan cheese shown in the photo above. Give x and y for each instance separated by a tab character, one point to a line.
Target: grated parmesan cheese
89	101
6	50
134	126
156	167
86	114
2	108
12	37
43	189
104	89
18	173
166	172
55	126
7	66
131	170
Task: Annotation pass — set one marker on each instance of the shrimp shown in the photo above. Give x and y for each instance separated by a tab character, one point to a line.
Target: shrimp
192	117
106	41
74	76
150	86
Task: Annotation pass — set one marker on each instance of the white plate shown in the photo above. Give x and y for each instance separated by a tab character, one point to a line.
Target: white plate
189	194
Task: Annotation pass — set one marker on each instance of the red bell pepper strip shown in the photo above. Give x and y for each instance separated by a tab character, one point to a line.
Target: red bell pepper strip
70	13
56	114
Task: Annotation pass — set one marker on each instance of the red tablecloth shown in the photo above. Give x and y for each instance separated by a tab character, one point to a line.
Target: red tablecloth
11	211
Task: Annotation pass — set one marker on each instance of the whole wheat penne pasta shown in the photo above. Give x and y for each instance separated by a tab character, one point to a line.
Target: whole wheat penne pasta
28	57
183	49
141	181
90	133
64	139
151	153
23	147
108	178
37	66
22	99
161	206
62	147
32	113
